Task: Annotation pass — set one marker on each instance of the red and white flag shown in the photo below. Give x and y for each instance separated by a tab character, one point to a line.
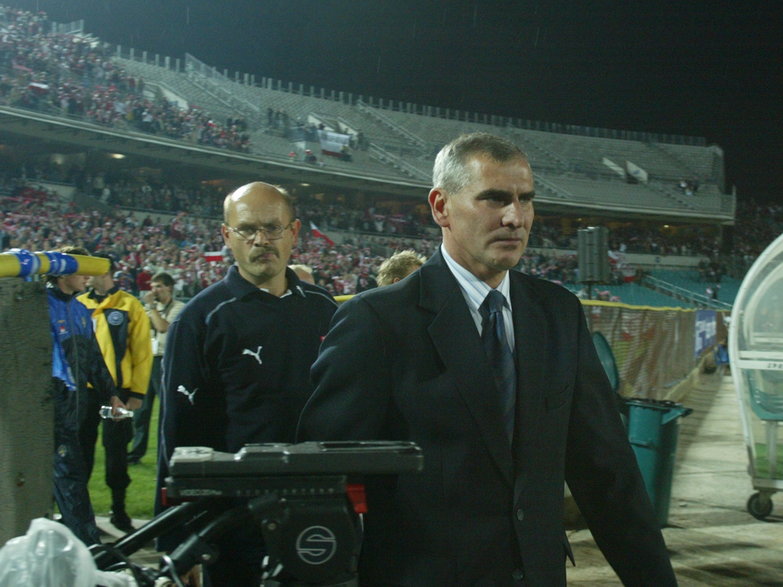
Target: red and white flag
213	256
316	232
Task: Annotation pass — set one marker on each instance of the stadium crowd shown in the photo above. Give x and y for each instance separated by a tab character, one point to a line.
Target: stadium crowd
74	75
188	245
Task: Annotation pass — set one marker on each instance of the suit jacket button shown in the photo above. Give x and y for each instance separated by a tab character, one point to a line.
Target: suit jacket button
517	574
520	514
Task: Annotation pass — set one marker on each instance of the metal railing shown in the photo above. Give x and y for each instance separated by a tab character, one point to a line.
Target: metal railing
68	28
389	123
685	294
380	154
213	82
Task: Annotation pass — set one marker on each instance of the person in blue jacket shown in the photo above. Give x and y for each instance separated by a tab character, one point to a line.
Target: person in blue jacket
76	361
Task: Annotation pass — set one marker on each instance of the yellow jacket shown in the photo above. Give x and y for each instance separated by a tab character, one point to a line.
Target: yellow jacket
123	332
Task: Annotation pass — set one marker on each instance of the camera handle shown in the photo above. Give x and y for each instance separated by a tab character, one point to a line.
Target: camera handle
197	548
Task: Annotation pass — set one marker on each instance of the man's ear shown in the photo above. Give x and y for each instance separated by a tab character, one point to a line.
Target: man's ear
297	226
224	234
437	200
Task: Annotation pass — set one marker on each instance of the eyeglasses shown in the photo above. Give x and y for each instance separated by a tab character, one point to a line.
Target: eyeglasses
271	231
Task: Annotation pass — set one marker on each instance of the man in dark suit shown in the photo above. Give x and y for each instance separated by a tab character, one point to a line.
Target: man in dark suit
422	360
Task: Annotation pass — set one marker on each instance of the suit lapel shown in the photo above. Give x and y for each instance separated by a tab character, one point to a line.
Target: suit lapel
530	341
454	335
529	332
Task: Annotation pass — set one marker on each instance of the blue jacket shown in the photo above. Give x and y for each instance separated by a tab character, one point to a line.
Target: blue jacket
76	357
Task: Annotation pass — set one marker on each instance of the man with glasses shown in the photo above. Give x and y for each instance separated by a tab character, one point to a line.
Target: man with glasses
237	360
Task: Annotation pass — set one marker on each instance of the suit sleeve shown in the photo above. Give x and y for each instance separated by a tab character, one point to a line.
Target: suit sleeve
140	347
605	481
352	377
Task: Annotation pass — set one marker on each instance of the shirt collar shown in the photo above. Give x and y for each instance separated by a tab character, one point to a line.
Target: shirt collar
94	295
240	287
474	289
60	294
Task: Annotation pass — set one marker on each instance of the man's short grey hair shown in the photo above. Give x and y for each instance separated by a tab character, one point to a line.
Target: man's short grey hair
450	172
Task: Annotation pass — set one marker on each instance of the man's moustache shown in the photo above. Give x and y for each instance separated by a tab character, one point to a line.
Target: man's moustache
264	252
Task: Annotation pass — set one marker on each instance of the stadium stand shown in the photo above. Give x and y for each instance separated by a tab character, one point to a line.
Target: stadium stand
631	182
405	143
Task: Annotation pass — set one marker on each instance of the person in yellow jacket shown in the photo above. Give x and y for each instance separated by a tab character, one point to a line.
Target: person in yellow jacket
123	332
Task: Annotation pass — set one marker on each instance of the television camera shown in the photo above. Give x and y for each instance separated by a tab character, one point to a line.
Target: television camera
305	499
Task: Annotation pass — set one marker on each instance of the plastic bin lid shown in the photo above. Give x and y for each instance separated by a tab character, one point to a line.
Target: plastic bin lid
660	404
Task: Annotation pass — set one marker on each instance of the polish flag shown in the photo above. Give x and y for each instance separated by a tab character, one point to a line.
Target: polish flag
316	232
213	256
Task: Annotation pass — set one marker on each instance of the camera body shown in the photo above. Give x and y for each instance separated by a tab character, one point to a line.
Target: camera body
305	499
197	471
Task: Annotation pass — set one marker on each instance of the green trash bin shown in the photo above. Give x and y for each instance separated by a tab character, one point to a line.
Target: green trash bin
653	428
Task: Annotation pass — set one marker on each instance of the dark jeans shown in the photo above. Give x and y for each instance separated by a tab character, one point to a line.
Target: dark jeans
70	471
142	416
116	436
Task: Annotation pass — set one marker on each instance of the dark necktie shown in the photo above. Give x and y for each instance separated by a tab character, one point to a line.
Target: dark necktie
493	337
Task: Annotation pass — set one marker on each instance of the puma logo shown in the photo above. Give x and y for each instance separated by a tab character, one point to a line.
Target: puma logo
256	355
189	394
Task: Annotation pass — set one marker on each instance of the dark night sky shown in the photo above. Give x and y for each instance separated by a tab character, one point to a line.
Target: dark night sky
706	68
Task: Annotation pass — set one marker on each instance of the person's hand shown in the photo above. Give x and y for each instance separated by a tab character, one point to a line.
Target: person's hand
149	298
116	404
133	403
192	577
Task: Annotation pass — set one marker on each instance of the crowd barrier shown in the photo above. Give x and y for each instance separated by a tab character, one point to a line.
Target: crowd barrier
655	348
23	263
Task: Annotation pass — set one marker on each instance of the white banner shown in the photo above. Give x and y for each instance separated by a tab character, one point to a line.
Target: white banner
614	167
635	172
332	142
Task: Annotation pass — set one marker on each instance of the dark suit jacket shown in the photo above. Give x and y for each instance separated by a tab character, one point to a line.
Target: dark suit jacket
405	362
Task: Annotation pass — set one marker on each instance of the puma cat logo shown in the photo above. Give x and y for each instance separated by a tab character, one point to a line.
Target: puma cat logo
256	355
189	394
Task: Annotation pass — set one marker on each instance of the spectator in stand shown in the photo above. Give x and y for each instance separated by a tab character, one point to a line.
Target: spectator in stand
399	266
345	153
303	272
365	282
143	279
71	75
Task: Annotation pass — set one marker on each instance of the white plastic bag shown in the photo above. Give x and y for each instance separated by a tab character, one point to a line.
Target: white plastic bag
49	555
